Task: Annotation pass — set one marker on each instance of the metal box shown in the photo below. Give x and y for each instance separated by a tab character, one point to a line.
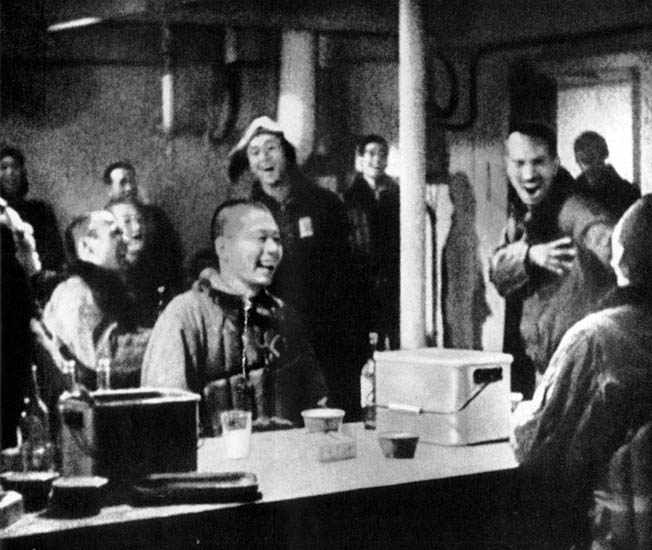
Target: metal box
126	434
447	396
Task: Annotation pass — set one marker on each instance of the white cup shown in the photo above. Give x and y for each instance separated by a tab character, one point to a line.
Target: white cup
236	433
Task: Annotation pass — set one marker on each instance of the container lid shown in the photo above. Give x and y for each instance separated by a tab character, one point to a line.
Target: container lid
141	397
445	357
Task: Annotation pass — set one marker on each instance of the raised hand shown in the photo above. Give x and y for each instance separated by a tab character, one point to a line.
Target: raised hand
556	256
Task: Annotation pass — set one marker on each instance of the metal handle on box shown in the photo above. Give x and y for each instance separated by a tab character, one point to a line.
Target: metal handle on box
484	377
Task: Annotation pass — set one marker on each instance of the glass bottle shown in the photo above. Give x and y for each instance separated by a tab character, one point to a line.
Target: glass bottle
104	373
69	376
368	385
36	449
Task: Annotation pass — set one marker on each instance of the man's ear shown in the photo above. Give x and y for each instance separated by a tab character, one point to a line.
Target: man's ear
557	165
220	246
84	249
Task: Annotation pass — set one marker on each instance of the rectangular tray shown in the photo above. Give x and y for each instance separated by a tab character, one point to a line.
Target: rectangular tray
196	487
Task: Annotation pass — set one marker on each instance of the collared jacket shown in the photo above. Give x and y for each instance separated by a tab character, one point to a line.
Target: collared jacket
542	306
316	278
253	356
607	187
595	394
89	316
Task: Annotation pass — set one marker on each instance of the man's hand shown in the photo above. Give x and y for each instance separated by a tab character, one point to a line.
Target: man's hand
556	256
23	234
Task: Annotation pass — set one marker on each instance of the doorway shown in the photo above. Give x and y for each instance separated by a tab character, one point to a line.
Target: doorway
604	102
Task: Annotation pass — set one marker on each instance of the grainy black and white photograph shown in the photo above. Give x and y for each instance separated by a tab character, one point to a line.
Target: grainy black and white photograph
344	274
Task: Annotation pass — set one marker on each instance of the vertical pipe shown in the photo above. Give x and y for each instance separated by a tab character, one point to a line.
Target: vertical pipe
412	172
296	103
167	82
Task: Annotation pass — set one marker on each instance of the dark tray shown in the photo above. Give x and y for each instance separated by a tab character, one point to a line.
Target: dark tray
196	487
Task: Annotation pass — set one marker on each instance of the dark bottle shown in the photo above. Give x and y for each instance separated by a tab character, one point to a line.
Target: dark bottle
368	385
36	447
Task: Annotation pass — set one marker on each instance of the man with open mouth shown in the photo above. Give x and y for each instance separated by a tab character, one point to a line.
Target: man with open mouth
229	339
553	264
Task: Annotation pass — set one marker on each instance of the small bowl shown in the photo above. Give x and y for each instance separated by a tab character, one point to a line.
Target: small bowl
398	444
34	486
322	420
77	496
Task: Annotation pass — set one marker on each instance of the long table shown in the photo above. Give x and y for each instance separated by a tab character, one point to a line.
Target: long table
443	496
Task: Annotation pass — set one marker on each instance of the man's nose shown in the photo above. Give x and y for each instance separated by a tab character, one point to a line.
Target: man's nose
272	246
528	171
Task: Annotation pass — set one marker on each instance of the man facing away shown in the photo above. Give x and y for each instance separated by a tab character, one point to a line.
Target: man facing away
553	264
596	392
232	341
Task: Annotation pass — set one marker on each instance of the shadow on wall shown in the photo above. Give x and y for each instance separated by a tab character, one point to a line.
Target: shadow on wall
463	299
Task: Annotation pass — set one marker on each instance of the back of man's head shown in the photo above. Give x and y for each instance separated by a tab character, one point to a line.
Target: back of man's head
591	149
538	131
631	250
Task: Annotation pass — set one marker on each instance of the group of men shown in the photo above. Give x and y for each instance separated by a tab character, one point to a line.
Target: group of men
276	337
280	324
575	268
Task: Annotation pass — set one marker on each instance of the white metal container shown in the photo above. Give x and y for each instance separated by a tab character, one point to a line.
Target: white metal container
447	396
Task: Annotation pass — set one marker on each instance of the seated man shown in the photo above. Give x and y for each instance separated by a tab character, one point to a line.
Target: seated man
596	390
90	315
151	273
228	338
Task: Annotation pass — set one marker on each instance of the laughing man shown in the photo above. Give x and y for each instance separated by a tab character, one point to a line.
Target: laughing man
232	341
553	265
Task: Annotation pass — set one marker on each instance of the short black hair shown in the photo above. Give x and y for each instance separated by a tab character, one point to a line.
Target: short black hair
591	147
370	138
218	221
537	130
124	164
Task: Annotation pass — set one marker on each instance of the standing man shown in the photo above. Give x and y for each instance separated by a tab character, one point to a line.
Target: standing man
232	341
553	264
373	207
316	265
599	178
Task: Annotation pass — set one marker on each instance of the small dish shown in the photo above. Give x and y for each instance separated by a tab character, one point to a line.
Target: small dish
398	444
322	420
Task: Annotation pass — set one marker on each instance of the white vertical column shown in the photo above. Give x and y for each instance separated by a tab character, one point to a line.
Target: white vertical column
296	103
412	172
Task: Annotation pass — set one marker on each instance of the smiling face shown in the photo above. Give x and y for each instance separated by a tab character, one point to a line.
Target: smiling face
123	184
267	162
249	249
373	162
130	221
530	167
